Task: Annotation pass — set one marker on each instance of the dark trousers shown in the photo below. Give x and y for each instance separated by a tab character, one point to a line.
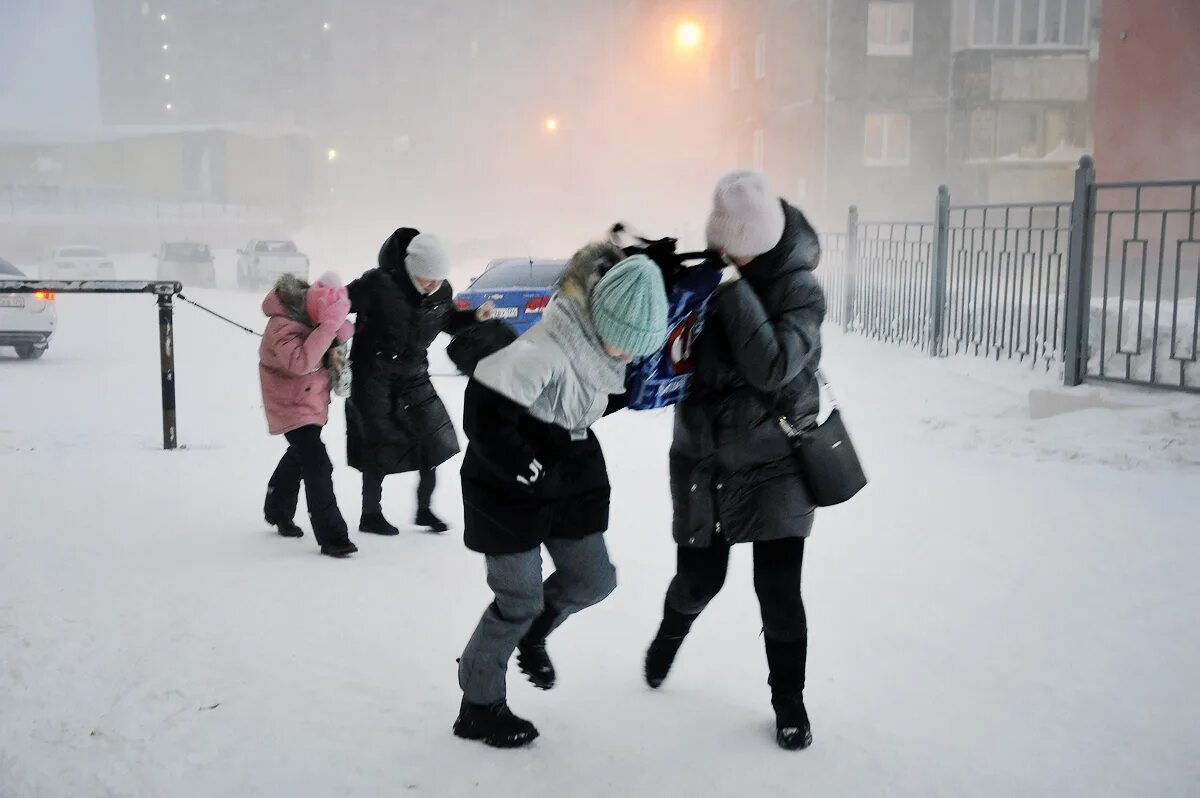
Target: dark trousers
306	461
372	491
700	574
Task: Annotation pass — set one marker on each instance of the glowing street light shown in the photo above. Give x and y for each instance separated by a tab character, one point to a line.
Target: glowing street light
551	124
163	17
167	76
331	154
169	106
166	46
326	26
688	35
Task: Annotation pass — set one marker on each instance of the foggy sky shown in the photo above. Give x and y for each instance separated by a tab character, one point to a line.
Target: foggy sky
48	65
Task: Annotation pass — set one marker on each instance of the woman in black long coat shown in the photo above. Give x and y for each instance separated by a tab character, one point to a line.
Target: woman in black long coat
734	478
395	421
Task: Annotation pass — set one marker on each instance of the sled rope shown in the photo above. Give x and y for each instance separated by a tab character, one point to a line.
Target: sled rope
225	319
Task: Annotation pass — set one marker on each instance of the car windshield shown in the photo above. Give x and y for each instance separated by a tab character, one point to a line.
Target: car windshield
80	252
186	251
519	274
276	247
8	270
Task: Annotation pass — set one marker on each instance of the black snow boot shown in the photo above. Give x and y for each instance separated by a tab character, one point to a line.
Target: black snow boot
787	662
494	725
287	528
532	658
339	550
665	645
329	528
376	524
427	520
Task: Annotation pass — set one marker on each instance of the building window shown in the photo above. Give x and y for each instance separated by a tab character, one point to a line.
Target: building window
890	29
759	154
760	57
1026	132
886	139
735	70
1030	23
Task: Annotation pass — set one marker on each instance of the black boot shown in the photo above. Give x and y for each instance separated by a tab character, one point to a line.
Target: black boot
329	528
376	524
339	550
665	645
787	662
287	529
426	519
494	725
532	658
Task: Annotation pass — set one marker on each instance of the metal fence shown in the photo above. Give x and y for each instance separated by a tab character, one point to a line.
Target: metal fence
1106	285
1143	318
1006	278
980	279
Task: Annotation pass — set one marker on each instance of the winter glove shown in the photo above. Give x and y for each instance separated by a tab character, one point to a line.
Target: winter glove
327	301
535	473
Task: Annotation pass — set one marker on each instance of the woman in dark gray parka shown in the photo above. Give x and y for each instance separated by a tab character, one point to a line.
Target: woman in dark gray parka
734	478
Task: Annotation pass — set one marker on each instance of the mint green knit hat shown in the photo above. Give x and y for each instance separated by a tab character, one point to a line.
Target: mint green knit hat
629	307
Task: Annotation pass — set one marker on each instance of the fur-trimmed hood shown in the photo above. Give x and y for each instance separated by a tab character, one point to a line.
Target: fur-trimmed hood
584	270
287	300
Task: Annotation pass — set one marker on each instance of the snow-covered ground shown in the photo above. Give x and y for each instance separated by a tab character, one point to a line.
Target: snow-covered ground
1010	609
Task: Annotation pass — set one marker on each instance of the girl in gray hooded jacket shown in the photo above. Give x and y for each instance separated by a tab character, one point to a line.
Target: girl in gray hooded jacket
534	473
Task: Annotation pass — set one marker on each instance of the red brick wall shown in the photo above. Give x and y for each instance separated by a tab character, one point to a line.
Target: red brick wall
1148	92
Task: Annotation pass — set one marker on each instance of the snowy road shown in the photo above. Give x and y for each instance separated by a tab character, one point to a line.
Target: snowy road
1011	609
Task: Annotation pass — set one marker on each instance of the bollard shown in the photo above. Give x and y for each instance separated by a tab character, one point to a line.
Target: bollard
166	351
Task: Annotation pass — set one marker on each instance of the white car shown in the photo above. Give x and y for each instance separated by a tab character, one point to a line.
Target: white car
261	263
78	263
26	320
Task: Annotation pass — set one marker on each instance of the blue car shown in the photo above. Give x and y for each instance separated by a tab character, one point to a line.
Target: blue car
520	288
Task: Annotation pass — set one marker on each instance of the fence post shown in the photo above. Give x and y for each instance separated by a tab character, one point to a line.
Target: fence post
937	277
851	269
166	351
1079	275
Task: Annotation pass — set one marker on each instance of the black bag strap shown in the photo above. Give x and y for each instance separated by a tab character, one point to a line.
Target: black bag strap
774	407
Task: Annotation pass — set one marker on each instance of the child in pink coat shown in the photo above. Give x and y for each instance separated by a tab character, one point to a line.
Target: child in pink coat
299	350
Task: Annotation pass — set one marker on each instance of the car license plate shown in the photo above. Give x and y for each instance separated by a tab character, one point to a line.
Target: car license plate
12	301
504	313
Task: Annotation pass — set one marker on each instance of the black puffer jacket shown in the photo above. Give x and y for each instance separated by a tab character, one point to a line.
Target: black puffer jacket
500	515
733	476
395	421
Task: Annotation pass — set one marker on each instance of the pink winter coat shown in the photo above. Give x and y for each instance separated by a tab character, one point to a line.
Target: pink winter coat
295	384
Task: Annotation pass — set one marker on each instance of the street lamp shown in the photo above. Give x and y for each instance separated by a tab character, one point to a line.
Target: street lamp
326	26
551	124
331	154
163	17
688	35
167	76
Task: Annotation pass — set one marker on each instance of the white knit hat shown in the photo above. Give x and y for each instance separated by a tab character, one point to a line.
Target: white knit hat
747	217
427	259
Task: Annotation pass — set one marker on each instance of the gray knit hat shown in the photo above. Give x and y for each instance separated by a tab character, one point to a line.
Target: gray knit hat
427	258
747	217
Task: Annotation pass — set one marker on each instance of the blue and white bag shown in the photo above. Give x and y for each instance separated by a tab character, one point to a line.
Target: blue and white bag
661	379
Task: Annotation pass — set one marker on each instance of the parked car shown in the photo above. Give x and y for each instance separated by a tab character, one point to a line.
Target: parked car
26	320
520	288
261	263
78	262
186	262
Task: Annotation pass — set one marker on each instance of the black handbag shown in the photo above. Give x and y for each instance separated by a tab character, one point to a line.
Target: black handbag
829	465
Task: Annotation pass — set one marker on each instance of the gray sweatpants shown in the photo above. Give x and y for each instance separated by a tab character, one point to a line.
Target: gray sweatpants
583	576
